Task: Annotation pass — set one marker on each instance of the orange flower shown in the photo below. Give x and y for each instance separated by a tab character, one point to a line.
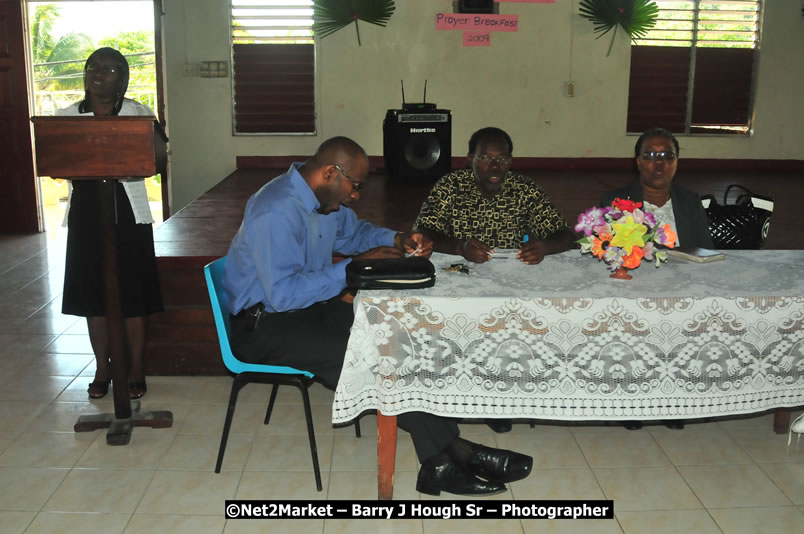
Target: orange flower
600	244
633	260
597	248
670	236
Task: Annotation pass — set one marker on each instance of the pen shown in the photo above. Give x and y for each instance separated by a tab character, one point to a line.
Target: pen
414	253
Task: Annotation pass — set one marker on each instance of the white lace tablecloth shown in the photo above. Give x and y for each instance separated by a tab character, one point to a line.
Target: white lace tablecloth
561	340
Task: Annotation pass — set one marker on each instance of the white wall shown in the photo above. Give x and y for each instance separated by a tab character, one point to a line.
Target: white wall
516	84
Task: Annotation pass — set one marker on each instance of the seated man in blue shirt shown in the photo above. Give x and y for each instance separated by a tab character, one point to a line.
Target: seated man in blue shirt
280	263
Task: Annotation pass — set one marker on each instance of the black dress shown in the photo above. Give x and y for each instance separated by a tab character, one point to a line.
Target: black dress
140	293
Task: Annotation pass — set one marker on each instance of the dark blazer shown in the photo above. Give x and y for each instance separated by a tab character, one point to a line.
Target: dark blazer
691	222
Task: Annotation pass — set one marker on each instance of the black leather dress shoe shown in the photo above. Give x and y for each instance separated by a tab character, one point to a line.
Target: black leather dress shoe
498	465
441	473
675	424
632	425
500	426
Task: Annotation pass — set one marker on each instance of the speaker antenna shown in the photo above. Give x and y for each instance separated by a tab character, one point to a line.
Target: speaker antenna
425	92
402	83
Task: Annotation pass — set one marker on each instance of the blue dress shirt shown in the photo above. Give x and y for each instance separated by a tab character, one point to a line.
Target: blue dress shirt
282	253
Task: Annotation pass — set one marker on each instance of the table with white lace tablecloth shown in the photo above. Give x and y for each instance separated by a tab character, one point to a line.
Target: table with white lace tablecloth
564	341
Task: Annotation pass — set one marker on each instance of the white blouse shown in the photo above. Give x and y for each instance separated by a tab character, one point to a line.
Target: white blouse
663	215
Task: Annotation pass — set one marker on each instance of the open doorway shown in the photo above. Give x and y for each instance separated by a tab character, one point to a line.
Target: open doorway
61	36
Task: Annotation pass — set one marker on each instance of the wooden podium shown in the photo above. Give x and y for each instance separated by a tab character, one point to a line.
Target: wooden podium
106	149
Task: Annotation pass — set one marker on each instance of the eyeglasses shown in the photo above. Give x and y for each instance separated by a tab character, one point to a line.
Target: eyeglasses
102	69
488	160
653	156
355	184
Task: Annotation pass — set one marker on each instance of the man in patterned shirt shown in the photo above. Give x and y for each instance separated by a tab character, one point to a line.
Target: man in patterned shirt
471	212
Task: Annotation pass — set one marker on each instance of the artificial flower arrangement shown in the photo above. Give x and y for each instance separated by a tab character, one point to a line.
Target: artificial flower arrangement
623	235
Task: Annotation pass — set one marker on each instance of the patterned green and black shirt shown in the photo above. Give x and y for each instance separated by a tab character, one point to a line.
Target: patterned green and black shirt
457	208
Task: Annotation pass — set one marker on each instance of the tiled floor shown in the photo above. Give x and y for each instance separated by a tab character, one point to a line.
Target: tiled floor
729	476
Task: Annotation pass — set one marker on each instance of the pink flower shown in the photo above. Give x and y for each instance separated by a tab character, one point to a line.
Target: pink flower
647	250
590	219
648	219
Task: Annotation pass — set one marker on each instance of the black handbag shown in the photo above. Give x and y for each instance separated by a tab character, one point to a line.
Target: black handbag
743	224
393	273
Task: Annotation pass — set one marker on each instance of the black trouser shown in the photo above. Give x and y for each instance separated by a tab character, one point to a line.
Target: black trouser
314	339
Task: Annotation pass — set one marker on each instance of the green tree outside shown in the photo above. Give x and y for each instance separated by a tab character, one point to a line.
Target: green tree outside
735	28
59	63
52	58
138	49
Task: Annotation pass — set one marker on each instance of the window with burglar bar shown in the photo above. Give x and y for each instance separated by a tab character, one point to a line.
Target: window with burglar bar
693	72
273	66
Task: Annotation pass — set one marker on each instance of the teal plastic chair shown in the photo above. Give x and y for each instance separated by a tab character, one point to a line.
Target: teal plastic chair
245	373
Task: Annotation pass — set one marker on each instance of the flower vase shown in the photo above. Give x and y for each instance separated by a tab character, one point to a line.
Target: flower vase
621	274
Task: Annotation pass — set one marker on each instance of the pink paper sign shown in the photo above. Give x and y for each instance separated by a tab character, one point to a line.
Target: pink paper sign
466	21
476	38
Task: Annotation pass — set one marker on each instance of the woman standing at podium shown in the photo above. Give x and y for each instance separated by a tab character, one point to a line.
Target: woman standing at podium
105	82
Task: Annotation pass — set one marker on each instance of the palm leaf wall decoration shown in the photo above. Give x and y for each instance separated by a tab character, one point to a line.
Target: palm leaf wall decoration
636	17
331	15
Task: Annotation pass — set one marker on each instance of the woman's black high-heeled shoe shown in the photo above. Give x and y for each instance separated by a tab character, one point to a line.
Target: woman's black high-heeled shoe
136	389
98	389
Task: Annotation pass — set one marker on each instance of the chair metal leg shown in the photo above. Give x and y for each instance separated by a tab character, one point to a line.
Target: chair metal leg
271	404
237	385
308	414
357	428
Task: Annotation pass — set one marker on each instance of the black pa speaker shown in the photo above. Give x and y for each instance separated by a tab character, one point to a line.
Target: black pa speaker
417	145
475	6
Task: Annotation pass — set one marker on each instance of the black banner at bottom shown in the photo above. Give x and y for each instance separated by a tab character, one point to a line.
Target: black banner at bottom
419	510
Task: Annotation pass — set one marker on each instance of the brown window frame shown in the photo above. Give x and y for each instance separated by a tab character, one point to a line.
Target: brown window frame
692	74
273	67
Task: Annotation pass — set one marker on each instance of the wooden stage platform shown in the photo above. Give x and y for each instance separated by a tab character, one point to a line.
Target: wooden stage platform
182	339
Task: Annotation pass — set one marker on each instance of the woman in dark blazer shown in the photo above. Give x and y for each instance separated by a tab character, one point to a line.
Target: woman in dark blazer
656	154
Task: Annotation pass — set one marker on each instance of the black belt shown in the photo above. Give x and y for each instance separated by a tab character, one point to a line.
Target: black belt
251	310
259	307
252	313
